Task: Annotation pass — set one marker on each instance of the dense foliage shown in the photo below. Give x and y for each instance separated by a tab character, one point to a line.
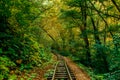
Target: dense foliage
20	45
85	30
97	45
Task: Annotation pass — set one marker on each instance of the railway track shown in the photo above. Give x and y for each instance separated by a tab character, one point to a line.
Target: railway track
61	71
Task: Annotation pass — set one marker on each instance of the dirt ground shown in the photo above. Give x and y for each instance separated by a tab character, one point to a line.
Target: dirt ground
40	73
79	73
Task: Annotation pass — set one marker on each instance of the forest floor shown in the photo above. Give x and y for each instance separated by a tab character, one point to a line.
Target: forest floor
79	73
41	72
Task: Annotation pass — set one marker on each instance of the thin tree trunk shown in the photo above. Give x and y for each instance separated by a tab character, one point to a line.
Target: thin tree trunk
99	50
106	25
83	30
97	39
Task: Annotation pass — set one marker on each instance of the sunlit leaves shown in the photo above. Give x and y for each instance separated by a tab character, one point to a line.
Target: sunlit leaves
106	21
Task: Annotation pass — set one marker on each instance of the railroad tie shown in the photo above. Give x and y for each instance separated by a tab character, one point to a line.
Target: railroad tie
62	72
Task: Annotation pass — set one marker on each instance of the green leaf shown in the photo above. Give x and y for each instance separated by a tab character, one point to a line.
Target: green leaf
12	77
0	50
1	77
110	7
3	69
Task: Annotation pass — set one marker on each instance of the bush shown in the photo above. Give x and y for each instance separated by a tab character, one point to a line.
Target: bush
5	65
112	75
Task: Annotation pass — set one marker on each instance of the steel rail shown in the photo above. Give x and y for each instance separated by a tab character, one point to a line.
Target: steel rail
68	71
53	77
62	71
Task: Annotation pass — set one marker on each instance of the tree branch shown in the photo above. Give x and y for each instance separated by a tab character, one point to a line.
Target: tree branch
118	8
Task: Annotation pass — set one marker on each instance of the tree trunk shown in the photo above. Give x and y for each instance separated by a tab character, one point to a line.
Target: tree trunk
100	51
83	30
106	24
